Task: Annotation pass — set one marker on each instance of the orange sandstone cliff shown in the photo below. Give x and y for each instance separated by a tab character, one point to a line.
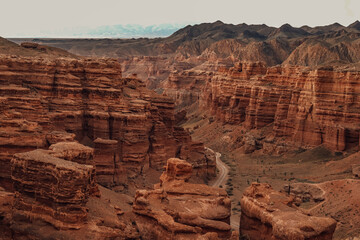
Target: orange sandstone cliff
132	129
308	107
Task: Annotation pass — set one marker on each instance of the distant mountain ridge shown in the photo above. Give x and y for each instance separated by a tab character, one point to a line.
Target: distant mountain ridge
107	31
332	44
130	31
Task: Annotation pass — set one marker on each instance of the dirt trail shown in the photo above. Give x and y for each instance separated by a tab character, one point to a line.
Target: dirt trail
221	180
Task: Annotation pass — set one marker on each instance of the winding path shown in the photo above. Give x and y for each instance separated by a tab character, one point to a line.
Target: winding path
223	171
221	181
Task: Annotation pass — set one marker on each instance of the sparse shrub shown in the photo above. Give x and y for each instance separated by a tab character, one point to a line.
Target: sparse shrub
338	154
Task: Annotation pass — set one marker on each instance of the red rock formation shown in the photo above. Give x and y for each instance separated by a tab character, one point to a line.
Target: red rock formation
185	86
73	151
57	197
305	192
268	214
176	209
58	192
90	99
51	189
59	136
109	169
308	107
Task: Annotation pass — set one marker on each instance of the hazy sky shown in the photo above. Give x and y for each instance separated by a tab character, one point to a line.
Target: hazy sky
28	17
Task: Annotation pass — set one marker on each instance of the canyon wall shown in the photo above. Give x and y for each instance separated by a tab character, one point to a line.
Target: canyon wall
43	99
308	107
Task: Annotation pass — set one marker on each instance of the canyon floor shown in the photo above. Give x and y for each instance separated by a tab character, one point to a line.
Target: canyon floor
315	166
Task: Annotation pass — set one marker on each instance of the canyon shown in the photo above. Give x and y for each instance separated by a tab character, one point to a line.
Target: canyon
89	126
131	128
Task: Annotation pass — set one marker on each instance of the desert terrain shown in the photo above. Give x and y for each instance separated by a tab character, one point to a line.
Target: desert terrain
218	131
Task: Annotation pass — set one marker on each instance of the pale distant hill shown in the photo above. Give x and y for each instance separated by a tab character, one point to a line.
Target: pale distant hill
107	31
131	31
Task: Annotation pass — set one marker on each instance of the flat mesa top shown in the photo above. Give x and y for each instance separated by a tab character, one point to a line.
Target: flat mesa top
105	141
40	155
62	146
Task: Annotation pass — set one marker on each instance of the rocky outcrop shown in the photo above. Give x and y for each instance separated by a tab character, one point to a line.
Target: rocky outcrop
73	151
33	45
45	101
268	214
176	209
58	198
305	192
51	189
59	136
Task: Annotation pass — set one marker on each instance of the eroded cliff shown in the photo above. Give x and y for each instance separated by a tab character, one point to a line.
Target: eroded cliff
90	99
308	107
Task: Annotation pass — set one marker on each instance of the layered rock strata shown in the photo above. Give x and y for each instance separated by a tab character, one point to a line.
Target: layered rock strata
58	198
176	209
73	151
306	107
51	189
109	169
45	101
268	214
59	136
